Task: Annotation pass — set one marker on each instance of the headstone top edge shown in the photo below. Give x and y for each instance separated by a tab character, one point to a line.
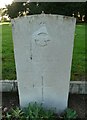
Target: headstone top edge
43	15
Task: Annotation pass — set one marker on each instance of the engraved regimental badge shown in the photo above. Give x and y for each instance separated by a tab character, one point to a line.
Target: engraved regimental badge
41	36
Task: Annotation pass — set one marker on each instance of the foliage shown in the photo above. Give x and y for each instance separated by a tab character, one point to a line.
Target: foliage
14	9
15	113
3	11
70	114
3	15
4	19
36	111
64	8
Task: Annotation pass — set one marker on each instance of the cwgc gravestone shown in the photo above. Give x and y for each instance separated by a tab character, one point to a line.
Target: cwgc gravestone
43	46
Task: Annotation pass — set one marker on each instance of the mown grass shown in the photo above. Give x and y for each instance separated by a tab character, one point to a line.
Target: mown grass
78	62
8	63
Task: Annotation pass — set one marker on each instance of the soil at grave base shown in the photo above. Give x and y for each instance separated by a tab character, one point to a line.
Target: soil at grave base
76	102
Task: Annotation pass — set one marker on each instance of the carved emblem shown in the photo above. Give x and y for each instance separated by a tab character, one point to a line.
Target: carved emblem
41	36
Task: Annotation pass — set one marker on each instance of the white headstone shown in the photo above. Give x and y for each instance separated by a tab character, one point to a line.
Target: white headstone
43	46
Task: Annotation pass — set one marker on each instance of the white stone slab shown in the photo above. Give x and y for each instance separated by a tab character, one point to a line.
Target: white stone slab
43	46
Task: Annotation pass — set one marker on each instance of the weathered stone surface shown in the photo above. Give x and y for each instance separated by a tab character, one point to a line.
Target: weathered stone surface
76	87
43	46
8	85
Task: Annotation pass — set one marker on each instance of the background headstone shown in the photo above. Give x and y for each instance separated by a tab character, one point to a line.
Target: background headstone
43	46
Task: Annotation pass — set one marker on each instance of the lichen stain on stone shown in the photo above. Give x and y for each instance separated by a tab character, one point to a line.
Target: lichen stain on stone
12	25
68	18
42	89
31	57
57	17
33	85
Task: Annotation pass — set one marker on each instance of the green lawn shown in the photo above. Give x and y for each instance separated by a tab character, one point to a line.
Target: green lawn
78	63
8	64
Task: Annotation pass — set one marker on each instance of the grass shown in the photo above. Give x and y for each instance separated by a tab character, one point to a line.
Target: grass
78	62
8	63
